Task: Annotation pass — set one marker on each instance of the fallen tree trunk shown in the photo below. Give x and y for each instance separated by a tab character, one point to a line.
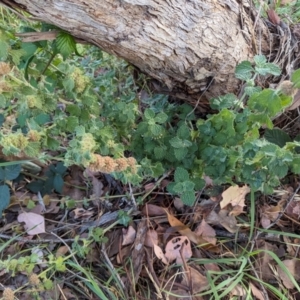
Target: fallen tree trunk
189	45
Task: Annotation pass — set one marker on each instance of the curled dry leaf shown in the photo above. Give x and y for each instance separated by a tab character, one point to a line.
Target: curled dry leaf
256	292
293	265
195	280
128	235
179	249
185	230
228	222
234	195
151	238
264	260
206	232
273	17
34	223
151	210
61	251
159	254
239	291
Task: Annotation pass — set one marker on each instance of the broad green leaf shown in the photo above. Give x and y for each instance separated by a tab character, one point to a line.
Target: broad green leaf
295	166
156	129
160	152
226	101
180	153
181	174
65	44
4	197
183	131
3	50
260	59
266	101
2	119
161	118
199	183
251	90
244	70
42	119
296	78
58	183
188	186
52	143
72	123
286	100
178	188
149	114
188	198
268	68
60	168
277	136
176	142
10	172
74	110
68	84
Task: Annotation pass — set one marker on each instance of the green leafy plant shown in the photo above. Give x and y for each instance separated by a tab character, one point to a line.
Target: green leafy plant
183	186
54	180
8	172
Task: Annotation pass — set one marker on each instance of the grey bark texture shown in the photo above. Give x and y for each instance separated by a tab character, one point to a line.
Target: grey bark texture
182	43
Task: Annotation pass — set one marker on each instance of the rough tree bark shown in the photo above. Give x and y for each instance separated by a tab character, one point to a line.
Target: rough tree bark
182	43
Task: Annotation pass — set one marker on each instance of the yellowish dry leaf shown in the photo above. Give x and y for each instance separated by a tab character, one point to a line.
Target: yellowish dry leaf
159	254
234	195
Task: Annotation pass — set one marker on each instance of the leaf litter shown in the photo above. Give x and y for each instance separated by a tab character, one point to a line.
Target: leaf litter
177	250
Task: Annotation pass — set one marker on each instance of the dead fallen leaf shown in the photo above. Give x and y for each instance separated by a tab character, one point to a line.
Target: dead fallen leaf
197	281
228	222
185	230
264	260
293	265
178	204
256	292
159	254
151	210
206	232
273	17
128	235
62	251
212	267
34	223
239	291
234	195
178	248
151	238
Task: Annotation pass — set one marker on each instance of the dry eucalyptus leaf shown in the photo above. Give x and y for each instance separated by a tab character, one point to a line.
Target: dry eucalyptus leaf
159	254
178	248
206	232
228	222
185	230
128	235
151	238
34	223
197	281
151	210
256	292
293	265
